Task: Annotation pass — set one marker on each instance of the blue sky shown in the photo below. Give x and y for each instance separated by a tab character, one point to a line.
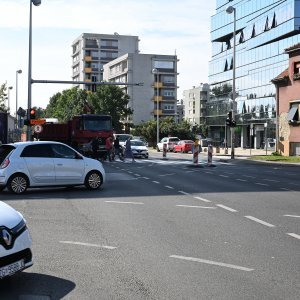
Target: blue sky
163	26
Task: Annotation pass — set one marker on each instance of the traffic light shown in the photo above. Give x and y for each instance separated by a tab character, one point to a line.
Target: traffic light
32	114
229	119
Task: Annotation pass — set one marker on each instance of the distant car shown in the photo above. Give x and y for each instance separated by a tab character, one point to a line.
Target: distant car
170	141
123	137
15	242
40	164
139	149
184	146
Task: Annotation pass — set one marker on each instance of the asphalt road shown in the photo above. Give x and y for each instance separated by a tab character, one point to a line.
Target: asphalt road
165	229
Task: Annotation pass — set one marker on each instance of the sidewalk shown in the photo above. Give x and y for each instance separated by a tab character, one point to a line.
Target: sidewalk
242	153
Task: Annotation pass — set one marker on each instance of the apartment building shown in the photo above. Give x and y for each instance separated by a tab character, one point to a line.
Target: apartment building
195	101
263	30
91	51
157	96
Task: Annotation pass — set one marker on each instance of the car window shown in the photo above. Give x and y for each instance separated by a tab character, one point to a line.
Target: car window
42	150
137	143
4	151
174	139
62	151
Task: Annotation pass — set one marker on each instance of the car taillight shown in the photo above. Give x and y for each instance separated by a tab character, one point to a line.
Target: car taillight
5	163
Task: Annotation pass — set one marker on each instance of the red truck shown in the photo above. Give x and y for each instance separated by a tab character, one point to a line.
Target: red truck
79	132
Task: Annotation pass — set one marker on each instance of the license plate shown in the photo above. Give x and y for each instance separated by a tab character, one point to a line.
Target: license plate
12	268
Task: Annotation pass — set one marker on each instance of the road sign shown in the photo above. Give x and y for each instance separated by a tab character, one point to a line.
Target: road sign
38	128
37	121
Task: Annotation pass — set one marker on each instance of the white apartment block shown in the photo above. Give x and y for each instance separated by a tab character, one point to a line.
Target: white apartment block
158	74
91	51
195	101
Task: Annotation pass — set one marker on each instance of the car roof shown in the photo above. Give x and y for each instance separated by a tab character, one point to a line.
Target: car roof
18	144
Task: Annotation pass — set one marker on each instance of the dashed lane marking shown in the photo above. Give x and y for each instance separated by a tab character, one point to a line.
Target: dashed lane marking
194	206
201	199
292	216
226	208
297	236
88	245
123	202
184	193
154	181
210	262
243	180
263	184
169	187
260	221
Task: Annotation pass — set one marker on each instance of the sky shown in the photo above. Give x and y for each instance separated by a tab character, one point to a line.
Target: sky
165	27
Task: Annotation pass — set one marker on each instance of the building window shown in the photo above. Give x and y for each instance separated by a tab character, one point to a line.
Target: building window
293	115
296	70
164	64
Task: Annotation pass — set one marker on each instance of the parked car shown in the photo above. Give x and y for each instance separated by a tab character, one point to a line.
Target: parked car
170	141
40	164
15	242
123	137
139	149
184	146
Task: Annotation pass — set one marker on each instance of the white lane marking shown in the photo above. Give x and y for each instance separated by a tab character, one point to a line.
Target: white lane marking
264	184
146	177
129	172
227	208
292	216
184	193
88	245
297	236
223	176
157	182
202	199
238	179
284	189
193	206
123	202
167	174
210	262
137	174
260	221
248	176
271	180
169	187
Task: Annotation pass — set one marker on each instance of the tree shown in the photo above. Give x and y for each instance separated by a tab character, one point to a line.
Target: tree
3	98
222	90
111	100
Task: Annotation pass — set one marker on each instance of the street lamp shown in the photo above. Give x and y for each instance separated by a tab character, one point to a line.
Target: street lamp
8	97
36	3
230	10
155	72
17	72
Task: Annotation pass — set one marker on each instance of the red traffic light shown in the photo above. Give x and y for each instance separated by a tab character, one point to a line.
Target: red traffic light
32	113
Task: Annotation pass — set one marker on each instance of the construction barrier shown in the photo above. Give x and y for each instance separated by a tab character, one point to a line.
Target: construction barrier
209	155
196	152
165	149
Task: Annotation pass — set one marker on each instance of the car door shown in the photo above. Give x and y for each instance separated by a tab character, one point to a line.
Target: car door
69	166
38	159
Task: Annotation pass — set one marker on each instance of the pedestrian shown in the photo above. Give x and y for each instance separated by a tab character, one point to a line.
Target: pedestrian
128	151
95	147
108	148
117	149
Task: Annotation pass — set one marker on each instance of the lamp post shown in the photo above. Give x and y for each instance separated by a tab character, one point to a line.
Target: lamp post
17	72
36	3
230	10
8	97
155	72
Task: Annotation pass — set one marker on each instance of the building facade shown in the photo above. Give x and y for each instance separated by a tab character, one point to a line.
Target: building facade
288	99
195	103
263	30
157	96
91	51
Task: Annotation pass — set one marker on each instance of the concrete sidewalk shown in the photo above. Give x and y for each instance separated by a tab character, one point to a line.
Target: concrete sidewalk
242	153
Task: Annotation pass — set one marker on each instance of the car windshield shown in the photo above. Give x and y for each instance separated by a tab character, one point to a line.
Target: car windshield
123	137
137	143
174	140
4	151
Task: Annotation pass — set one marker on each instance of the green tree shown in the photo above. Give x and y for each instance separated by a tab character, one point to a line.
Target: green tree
111	100
3	98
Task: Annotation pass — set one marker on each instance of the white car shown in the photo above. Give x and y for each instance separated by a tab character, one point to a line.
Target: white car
15	242
41	164
139	149
169	141
123	137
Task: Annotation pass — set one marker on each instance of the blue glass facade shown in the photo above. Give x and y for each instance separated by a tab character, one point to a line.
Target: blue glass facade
264	28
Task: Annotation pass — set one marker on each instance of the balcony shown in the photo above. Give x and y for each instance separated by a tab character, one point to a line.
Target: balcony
88	80
157	98
157	112
88	58
88	70
157	84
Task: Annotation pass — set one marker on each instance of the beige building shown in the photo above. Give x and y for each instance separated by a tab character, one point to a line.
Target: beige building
288	104
90	51
158	93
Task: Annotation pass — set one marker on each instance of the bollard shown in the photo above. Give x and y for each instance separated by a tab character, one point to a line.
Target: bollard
165	150
209	155
196	152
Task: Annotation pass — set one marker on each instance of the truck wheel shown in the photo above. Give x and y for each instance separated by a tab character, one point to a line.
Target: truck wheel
18	184
93	180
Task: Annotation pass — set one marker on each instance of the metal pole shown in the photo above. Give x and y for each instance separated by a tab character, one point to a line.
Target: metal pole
29	73
17	72
157	112
233	83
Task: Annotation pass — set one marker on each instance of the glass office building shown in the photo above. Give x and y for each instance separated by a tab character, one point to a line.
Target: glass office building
264	28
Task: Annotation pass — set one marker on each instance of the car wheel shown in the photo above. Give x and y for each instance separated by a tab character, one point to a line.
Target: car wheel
157	149
18	184
2	188
93	180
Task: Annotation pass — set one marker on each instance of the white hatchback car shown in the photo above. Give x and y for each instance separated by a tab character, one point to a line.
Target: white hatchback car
41	164
139	149
15	242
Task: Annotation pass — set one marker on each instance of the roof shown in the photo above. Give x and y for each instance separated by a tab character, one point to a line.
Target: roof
292	48
282	77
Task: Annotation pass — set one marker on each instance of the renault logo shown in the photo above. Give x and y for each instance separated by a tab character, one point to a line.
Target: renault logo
7	238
